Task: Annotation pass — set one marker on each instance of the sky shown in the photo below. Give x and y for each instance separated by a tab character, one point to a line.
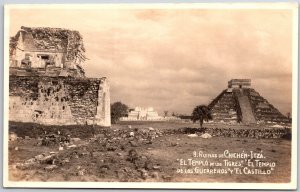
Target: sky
175	59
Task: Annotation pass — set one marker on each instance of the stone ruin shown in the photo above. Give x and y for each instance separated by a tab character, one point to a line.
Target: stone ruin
47	84
142	114
44	51
241	103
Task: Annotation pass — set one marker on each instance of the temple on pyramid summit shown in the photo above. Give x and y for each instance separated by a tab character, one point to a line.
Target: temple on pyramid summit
240	103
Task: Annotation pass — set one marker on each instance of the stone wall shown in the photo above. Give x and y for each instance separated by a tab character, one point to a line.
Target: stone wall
59	100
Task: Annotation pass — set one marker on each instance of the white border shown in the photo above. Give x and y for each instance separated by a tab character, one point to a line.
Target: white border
155	185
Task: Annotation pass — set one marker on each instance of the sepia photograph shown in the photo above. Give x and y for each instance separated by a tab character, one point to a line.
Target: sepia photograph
182	96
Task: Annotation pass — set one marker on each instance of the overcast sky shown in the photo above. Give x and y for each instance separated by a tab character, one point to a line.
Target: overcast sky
176	59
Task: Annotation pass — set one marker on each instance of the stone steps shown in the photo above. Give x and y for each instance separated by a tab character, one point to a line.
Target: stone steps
247	114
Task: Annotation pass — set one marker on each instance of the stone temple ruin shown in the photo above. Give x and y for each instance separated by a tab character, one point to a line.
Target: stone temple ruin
46	52
142	114
241	103
47	83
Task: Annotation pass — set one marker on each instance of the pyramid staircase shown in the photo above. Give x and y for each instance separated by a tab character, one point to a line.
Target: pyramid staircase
246	108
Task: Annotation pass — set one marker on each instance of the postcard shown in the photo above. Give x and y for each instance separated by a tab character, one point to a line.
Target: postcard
181	96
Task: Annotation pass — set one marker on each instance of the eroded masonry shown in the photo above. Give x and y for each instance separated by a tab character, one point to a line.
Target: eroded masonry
47	83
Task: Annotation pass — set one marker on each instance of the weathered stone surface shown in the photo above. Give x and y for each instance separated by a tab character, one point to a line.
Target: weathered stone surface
59	101
44	51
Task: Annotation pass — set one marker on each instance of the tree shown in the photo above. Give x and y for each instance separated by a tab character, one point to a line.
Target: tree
201	113
166	113
117	111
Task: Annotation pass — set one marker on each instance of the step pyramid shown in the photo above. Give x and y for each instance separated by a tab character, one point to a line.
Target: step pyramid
240	103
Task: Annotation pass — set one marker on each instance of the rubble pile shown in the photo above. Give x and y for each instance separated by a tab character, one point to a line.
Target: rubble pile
113	152
45	159
228	132
111	140
54	139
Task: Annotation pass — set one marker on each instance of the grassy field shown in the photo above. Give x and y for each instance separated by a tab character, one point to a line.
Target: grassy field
140	151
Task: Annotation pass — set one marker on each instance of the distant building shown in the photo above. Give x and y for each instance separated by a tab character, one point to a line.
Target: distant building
142	114
43	51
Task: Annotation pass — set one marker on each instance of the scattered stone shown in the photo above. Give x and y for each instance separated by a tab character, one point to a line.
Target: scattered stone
131	134
155	175
84	153
133	144
27	137
104	168
174	144
111	148
23	166
75	139
127	169
67	160
60	148
50	167
193	135
151	129
71	146
277	126
156	167
81	172
206	136
144	173
166	177
132	155
16	148
47	159
13	136
39	157
30	161
129	126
